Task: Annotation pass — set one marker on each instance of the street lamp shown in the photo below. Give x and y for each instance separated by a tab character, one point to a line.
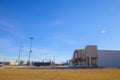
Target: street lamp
19	53
30	49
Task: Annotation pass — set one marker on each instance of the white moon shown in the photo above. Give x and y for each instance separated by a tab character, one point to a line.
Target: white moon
103	31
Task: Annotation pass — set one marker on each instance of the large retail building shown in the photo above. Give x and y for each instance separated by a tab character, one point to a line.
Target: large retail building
91	57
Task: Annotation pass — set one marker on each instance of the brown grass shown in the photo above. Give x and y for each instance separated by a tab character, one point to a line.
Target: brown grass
60	74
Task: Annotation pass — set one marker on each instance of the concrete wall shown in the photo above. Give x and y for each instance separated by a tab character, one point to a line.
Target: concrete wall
108	58
83	55
91	51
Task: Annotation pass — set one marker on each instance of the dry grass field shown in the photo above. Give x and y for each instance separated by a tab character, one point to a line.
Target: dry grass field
60	74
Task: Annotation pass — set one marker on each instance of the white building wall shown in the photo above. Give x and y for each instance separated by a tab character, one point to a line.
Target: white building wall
108	58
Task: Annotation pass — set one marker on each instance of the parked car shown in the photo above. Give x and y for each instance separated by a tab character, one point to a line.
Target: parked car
1	64
41	64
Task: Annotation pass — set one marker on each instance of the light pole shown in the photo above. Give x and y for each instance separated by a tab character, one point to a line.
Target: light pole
19	53
30	50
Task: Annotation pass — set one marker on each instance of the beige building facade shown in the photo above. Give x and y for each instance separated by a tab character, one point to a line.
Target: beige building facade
87	57
13	63
91	57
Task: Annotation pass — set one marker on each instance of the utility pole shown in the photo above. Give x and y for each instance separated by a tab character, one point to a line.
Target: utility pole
46	57
19	53
54	59
30	50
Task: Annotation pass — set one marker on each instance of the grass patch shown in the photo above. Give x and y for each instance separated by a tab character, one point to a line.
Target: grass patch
60	74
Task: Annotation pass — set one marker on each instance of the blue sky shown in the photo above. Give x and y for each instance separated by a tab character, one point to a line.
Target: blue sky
58	27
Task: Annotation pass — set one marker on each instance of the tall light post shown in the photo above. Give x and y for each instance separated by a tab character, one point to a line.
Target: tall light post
19	53
30	50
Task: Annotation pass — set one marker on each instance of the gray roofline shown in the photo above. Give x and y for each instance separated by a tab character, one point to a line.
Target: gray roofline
107	50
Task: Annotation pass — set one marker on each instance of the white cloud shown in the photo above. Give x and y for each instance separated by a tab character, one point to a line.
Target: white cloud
10	28
51	23
38	54
5	42
10	52
57	23
66	39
